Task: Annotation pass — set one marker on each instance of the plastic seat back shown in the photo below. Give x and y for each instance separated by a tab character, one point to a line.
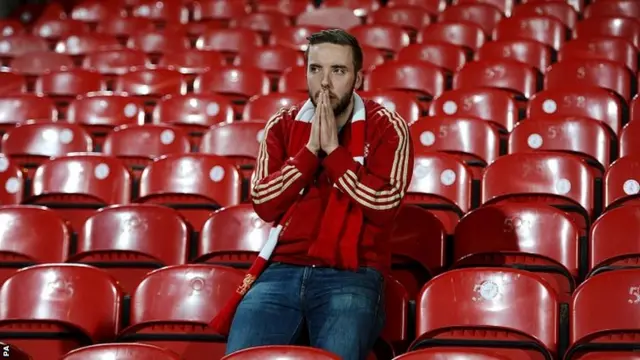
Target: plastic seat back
11	83
629	133
124	240
455	353
529	52
423	79
560	10
19	108
167	14
124	351
228	41
615	26
611	249
38	63
410	18
65	86
158	42
613	8
387	38
606	48
294	79
78	46
263	107
402	103
484	15
44	310
330	17
20	44
93	12
521	79
192	62
12	176
123	27
151	84
115	62
448	56
621	182
281	352
56	29
294	37
548	30
465	34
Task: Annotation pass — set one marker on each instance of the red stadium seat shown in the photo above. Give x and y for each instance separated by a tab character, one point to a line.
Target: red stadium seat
294	80
635	107
561	180
611	249
193	112
10	27
192	62
414	230
159	42
372	57
223	11
294	37
432	6
533	237
39	63
11	83
400	102
115	62
425	80
484	15
20	246
13	179
494	105
31	143
410	18
287	7
602	322
93	12
123	27
229	41
485	311
237	141
159	317
50	309
623	27
238	83
529	52
123	239
54	30
20	44
281	352
516	77
161	13
330	17
628	137
589	73
454	353
394	337
505	6
442	184
272	59
138	145
621	182
387	38
588	138
16	109
211	183
65	86
263	22
581	102
76	185
604	48
151	84
113	350
360	8
561	10
448	56
473	140
545	29
15	352
622	8
78	46
264	107
465	34
29	13
232	236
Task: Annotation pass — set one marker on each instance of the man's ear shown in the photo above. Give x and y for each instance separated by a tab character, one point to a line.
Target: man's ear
359	80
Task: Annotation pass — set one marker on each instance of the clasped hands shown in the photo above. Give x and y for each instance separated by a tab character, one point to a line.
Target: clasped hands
324	131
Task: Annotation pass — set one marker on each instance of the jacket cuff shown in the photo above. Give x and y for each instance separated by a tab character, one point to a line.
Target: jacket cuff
306	162
338	162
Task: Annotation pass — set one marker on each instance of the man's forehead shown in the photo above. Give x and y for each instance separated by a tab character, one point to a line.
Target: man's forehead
330	54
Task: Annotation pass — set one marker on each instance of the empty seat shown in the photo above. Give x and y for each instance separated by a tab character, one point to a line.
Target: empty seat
561	10
163	13
601	322
263	22
19	108
263	107
56	29
465	34
484	15
13	179
228	41
115	62
290	8
621	182
360	8
65	86
123	27
441	183
561	180
487	313
473	140
606	48
626	8
611	249
496	106
454	353
76	185
281	352
410	18
192	61
628	138
83	44
519	78
150	84
529	52
238	83
32	143
589	73
582	102
294	37
158	42
533	237
294	79
11	83
160	299
211	182
271	59
330	17
20	246
9	27
20	44
505	6
587	138
423	79
548	30
123	351
39	63
387	38
432	6
404	104
15	352
93	12
44	309
223	11
618	26
131	240
138	145
448	56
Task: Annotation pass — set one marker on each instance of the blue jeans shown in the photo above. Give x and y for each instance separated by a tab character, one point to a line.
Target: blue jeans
343	310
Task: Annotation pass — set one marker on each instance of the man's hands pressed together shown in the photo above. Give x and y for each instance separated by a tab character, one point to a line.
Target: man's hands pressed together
324	132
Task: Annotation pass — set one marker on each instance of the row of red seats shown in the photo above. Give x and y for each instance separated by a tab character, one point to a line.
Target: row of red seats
477	299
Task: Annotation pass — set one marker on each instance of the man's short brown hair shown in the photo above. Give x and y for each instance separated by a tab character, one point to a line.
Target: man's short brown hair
337	37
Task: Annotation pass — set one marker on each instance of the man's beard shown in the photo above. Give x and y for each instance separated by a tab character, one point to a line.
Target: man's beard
343	102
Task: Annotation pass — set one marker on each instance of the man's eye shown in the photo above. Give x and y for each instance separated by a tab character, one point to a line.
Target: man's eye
340	71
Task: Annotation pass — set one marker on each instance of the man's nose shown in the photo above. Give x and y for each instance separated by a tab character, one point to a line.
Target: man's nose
326	80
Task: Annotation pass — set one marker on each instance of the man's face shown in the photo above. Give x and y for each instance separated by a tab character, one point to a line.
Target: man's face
330	66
